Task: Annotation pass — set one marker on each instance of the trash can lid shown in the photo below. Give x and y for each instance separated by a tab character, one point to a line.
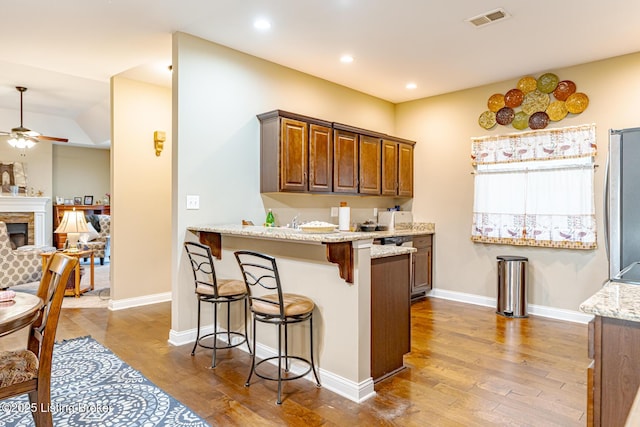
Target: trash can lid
511	258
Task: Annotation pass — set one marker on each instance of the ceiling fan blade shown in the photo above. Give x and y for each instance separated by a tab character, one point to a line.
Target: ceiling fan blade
51	138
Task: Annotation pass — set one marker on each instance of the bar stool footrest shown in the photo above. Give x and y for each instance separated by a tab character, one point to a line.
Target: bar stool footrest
225	334
288	378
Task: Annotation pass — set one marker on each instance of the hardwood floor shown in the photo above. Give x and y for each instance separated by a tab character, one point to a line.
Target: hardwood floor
468	367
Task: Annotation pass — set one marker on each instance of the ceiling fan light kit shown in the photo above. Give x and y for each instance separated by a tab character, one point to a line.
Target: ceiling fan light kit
23	138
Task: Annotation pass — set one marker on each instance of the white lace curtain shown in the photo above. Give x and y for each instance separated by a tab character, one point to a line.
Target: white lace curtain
535	188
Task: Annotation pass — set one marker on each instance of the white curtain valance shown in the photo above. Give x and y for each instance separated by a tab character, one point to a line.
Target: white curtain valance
548	144
536	189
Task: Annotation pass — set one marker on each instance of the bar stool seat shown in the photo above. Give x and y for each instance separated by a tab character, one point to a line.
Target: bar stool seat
210	289
294	305
279	308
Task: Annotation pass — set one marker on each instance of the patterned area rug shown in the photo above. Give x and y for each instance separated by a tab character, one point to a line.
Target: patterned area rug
91	386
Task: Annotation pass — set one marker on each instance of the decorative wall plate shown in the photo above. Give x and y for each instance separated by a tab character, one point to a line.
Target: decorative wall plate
577	103
535	101
487	119
564	89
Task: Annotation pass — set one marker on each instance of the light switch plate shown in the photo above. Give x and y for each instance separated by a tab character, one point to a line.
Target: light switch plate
334	211
193	201
375	212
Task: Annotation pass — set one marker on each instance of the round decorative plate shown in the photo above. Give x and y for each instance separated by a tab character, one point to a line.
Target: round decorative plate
564	89
577	102
557	111
513	98
487	119
547	82
527	84
495	102
538	120
535	101
505	115
520	121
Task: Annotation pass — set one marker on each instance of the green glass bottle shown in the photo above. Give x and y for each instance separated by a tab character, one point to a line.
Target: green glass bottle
271	221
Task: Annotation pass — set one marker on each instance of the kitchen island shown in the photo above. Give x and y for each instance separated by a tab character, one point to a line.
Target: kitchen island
613	377
334	270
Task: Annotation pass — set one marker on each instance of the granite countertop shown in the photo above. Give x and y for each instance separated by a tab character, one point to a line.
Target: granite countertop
381	251
283	233
615	300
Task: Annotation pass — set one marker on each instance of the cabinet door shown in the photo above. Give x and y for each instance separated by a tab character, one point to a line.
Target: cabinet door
405	170
345	162
293	159
422	263
370	165
389	168
320	159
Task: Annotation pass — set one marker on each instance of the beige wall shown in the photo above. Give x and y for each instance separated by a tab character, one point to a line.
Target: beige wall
443	127
80	171
141	184
217	94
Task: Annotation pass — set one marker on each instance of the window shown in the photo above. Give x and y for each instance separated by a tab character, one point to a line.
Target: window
535	188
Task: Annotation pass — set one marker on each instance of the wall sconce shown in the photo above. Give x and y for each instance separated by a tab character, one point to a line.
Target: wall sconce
159	137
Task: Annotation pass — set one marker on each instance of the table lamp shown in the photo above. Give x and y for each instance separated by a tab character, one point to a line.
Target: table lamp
73	223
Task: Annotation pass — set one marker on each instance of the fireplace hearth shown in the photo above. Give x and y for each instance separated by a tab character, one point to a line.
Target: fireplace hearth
25	210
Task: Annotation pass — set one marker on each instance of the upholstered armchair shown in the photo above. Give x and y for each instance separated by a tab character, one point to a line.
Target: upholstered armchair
19	266
101	244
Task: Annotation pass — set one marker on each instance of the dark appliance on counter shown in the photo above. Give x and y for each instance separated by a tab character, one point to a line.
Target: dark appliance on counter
622	206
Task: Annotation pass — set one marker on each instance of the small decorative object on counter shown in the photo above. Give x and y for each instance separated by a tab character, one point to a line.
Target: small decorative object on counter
270	221
344	217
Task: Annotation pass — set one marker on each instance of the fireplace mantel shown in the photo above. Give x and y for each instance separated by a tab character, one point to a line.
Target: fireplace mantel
36	205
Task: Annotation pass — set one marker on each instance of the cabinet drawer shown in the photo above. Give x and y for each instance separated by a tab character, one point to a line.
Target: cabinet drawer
422	241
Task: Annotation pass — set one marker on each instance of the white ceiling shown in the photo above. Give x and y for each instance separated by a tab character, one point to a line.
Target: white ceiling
65	51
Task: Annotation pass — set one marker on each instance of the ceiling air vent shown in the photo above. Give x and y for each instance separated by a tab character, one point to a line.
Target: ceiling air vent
488	17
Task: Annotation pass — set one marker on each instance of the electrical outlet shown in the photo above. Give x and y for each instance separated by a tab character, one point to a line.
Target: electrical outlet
193	201
334	211
375	212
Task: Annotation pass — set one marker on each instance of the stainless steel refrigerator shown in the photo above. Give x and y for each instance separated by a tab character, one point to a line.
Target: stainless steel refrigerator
622	205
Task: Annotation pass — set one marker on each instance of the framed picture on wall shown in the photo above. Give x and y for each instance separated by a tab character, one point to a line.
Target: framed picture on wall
77	200
88	200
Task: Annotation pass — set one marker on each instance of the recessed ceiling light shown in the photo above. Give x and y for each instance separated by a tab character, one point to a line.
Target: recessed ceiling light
262	24
411	86
346	59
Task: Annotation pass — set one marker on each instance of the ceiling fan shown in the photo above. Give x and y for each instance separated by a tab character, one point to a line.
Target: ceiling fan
21	137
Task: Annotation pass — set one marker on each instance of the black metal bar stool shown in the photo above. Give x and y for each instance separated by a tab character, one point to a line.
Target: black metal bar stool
215	291
281	309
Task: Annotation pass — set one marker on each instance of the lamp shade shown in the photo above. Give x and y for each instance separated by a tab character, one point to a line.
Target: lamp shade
73	222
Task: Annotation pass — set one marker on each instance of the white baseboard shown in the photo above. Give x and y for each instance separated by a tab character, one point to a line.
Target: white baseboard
356	392
537	310
122	304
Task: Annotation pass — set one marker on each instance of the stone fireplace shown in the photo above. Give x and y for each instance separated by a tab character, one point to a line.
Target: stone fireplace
25	219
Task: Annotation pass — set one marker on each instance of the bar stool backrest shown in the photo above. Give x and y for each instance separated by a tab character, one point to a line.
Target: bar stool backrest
204	273
261	271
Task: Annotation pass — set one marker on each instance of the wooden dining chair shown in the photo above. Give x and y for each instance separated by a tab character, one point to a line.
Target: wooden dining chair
29	370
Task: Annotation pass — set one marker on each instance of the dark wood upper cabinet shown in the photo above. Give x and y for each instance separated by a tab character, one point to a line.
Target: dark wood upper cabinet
370	165
345	161
397	167
295	153
389	168
293	162
320	158
405	170
304	154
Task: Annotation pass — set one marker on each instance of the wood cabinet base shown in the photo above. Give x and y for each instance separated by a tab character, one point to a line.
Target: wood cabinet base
390	314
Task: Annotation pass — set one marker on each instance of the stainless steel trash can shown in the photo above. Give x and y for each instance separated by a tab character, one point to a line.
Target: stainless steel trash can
512	286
